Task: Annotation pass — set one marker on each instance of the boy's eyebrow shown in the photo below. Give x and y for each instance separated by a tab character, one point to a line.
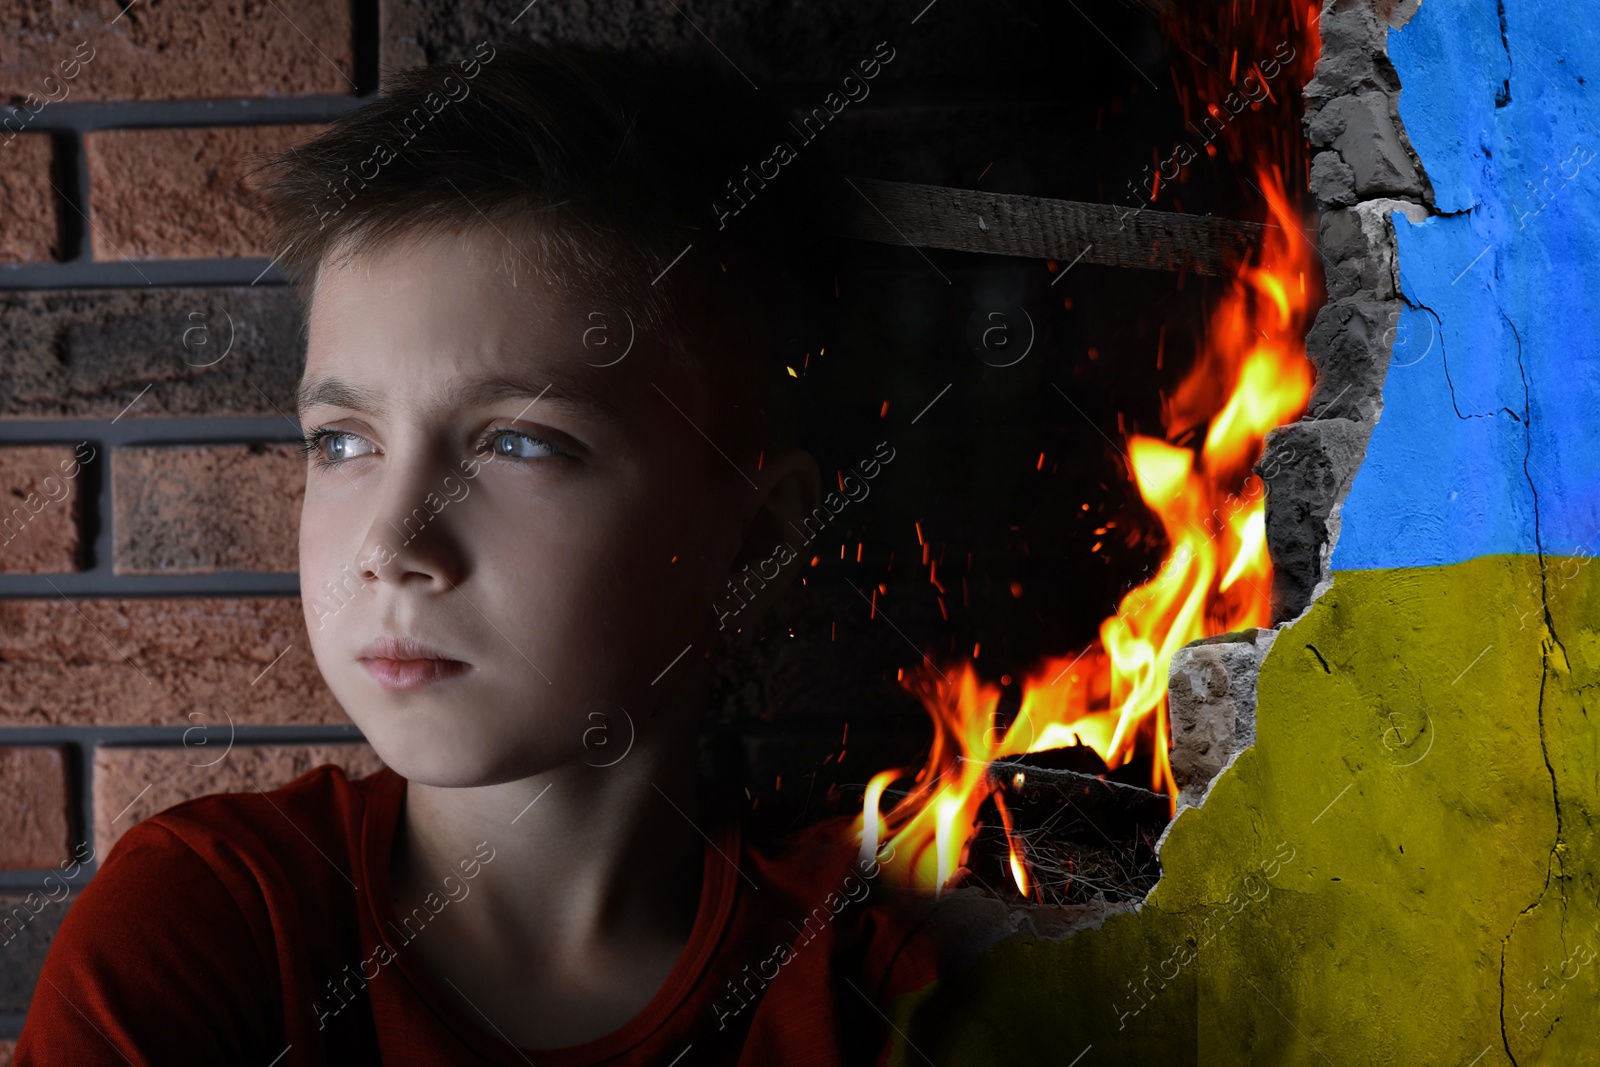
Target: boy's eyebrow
573	395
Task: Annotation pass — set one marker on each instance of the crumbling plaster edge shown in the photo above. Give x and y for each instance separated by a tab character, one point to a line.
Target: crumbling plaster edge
1339	75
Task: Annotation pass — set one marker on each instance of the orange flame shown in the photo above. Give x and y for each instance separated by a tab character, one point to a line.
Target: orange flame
1251	376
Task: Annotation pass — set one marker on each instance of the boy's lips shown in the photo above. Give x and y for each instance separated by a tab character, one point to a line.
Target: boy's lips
403	664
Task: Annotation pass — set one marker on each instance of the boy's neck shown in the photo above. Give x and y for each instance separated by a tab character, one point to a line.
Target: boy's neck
585	859
583	909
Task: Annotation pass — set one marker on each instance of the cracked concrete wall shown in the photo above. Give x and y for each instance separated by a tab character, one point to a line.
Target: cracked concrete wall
1404	867
1363	167
1211	701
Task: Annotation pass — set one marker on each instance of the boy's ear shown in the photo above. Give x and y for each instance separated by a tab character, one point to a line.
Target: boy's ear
772	542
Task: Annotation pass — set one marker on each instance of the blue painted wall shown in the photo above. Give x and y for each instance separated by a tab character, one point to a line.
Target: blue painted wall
1492	400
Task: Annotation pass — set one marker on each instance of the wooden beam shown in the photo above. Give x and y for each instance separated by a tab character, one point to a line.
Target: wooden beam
936	216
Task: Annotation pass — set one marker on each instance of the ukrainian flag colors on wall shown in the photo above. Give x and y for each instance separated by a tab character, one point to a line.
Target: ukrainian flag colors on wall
1422	797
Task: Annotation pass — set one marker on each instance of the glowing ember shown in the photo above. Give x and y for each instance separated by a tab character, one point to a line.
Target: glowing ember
1251	376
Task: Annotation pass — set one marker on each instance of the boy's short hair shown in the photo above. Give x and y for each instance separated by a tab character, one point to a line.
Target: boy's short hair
605	167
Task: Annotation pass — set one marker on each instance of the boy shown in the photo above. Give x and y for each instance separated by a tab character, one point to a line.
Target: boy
543	436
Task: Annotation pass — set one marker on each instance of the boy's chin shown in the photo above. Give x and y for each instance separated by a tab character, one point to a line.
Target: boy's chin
447	763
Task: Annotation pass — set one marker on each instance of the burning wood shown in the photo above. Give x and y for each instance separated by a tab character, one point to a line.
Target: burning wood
1110	805
1080	835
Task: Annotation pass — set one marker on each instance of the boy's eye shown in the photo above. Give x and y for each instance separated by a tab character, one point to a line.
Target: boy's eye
520	445
342	447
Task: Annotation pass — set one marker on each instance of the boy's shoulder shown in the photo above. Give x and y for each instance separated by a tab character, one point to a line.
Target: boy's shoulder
311	791
875	929
826	843
821	865
322	809
212	904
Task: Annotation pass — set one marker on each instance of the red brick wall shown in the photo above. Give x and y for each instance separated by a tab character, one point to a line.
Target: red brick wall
149	505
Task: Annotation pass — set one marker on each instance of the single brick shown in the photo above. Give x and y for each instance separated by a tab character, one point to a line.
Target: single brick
30	222
91	353
155	51
189	661
41	508
28	922
132	784
35	807
189	509
182	193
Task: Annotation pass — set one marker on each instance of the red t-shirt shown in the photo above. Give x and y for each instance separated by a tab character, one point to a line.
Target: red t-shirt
239	927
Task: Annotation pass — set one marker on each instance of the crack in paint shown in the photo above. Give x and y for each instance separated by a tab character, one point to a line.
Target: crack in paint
1505	1041
1552	641
1548	645
1445	362
1503	97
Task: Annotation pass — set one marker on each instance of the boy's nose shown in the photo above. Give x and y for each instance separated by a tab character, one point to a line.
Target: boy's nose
409	529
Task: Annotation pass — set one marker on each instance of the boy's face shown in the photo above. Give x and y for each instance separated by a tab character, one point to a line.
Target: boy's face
559	536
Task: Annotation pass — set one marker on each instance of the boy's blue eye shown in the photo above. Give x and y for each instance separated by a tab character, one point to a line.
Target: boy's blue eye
504	434
314	450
